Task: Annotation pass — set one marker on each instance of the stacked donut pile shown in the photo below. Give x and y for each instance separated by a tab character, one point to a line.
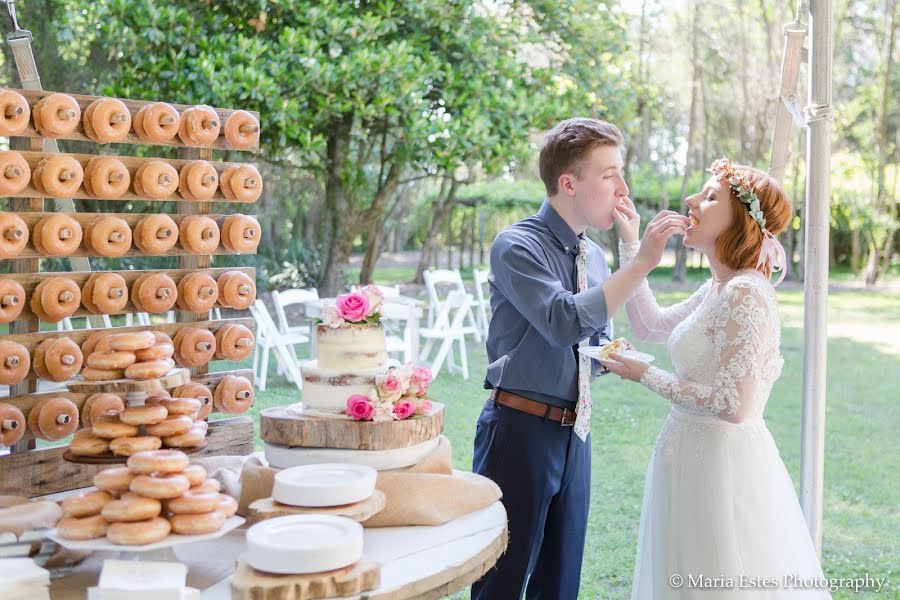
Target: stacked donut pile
157	493
132	355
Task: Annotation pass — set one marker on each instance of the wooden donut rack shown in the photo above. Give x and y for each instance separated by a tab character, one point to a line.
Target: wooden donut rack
27	470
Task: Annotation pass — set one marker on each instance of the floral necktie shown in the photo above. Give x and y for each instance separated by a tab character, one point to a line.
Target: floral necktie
583	408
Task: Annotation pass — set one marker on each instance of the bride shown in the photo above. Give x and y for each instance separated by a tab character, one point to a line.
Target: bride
720	516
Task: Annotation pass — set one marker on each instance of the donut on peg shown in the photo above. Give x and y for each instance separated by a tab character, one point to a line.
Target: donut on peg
155	180
241	233
234	342
12	424
199	392
197	292
200	126
55	418
194	347
12	300
154	293
14	113
241	183
199	234
15	173
13	235
105	293
198	181
97	405
234	394
157	122
57	234
58	359
58	176
108	236
236	290
155	234
55	298
15	362
56	115
107	120
242	130
106	177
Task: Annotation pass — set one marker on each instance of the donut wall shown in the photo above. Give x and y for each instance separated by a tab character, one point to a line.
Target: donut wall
126	388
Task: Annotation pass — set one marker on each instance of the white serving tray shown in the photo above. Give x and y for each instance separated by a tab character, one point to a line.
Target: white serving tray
104	545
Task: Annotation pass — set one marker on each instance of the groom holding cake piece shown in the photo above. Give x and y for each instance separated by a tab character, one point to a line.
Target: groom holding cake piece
551	291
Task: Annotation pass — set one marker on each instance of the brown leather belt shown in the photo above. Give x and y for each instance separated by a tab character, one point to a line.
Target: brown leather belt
563	416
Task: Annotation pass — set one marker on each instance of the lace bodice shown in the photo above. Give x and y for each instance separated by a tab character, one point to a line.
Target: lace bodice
724	345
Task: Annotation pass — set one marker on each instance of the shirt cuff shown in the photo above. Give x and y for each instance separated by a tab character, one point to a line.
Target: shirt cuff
590	305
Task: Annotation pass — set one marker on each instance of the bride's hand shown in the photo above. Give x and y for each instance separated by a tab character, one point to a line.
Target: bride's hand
628	220
626	368
663	226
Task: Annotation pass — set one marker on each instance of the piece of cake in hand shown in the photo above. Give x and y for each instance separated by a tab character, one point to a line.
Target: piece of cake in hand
617	346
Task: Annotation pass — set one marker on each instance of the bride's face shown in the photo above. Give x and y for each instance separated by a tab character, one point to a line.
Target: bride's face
711	212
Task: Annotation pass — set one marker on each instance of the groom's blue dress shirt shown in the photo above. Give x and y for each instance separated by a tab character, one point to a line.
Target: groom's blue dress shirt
538	318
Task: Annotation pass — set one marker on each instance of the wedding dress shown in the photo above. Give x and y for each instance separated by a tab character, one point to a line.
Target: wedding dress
720	516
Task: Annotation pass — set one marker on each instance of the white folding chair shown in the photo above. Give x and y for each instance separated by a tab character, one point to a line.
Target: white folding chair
482	299
288	298
448	327
454	279
397	312
268	338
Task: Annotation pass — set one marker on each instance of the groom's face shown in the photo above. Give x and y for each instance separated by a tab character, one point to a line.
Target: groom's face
600	187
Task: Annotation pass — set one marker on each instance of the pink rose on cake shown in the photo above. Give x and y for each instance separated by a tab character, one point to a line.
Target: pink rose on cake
353	306
374	296
359	407
419	381
404	409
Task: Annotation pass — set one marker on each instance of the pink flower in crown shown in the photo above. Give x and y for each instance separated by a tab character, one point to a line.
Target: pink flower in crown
404	409
359	407
391	385
353	306
331	317
419	381
374	296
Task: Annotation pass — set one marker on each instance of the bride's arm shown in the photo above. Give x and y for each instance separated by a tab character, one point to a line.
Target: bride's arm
649	322
740	334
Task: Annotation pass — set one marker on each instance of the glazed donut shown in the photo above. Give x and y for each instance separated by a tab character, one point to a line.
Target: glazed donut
197	524
157	122
14	113
158	461
200	126
108	293
241	183
108	236
85	504
13	235
107	120
15	362
131	507
58	235
38	364
55	298
108	426
155	234
198	181
194	347
92	374
195	473
156	396
132	341
111	360
56	115
143	415
157	352
153	369
106	177
199	234
90	344
199	392
210	485
180	406
234	342
240	233
12	424
126	446
155	180
234	394
85	528
58	176
12	300
161	487
191	439
192	503
236	290
197	292
242	130
139	533
88	445
14	172
154	293
227	505
161	337
62	359
114	479
171	426
100	404
56	418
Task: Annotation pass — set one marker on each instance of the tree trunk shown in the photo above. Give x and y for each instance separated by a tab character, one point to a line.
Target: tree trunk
375	244
444	202
338	243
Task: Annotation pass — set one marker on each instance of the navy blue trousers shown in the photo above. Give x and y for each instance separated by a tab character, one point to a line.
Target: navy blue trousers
544	471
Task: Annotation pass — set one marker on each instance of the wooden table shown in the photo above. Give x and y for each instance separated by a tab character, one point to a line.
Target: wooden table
417	562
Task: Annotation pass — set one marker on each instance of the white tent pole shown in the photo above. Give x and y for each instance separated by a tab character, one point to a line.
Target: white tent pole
819	115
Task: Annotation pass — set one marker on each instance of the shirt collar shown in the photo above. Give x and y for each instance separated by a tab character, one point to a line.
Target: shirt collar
561	230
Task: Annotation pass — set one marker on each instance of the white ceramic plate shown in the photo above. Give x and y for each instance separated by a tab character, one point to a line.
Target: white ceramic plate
330	484
301	544
594	352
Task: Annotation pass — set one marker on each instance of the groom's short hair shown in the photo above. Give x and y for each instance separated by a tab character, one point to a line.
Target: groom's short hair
566	145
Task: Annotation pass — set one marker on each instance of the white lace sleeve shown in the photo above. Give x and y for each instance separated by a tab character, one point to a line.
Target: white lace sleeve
649	322
740	326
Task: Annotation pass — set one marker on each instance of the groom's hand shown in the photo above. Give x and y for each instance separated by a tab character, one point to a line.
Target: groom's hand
628	220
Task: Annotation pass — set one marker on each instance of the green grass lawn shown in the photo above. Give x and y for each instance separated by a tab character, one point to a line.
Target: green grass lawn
862	485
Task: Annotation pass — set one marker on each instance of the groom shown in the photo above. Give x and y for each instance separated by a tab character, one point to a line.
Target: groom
551	291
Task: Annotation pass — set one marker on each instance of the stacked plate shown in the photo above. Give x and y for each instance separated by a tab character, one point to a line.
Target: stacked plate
323	485
302	544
